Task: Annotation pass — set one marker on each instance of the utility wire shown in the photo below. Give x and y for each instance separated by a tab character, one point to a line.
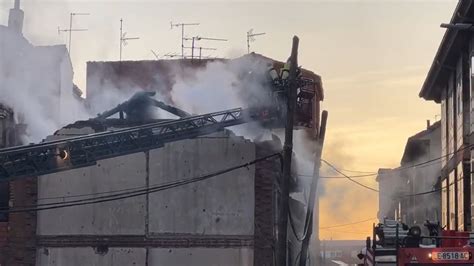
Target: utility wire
339	177
132	190
347	224
348	177
358	172
293	228
423	193
373	189
90	194
421	164
143	187
431	191
57	205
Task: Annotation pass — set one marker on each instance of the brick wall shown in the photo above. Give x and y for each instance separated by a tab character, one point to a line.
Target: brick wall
21	242
266	173
3	241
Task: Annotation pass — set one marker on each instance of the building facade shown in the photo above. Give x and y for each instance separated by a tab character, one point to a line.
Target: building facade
218	221
402	190
450	83
35	98
37	81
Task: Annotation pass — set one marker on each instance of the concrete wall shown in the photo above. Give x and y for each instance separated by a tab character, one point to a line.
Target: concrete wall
222	205
201	213
137	256
201	257
122	217
90	256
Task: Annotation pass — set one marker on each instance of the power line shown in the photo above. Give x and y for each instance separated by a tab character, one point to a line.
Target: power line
423	193
348	177
367	187
347	224
293	227
91	194
57	205
185	181
95	194
430	191
339	177
360	172
421	164
375	190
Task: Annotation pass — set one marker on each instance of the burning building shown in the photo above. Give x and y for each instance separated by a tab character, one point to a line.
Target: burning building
171	77
36	81
36	86
226	220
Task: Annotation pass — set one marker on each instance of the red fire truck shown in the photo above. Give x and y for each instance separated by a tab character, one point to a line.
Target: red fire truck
394	243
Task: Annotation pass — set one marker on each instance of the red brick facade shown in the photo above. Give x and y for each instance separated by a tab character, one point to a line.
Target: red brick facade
21	245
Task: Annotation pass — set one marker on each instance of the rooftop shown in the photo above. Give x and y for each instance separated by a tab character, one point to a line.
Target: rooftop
416	144
448	52
143	73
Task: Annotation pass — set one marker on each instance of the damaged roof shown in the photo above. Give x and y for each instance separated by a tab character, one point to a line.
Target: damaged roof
159	75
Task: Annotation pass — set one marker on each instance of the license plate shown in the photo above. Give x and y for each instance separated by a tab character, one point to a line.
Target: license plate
461	255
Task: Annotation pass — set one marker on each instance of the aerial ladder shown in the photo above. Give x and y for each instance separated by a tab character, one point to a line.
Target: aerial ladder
82	151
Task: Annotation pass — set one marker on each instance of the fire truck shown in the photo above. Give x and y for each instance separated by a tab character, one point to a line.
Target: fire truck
397	244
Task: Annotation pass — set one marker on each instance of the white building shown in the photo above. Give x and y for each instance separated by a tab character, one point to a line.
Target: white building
35	81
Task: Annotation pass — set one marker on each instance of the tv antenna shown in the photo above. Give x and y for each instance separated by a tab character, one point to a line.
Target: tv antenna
70	30
200	50
251	38
124	38
182	25
198	38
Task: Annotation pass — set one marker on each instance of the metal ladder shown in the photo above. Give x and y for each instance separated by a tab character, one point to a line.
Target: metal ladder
65	154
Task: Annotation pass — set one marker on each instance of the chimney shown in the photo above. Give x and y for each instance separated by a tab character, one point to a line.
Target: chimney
428	124
15	19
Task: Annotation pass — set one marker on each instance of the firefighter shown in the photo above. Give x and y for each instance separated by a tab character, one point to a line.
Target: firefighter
285	70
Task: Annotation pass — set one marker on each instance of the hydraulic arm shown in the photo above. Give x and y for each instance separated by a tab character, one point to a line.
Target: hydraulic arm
65	154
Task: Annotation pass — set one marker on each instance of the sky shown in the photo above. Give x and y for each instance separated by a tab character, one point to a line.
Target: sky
373	57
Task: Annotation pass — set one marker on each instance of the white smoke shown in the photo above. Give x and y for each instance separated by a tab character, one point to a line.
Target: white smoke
222	85
36	83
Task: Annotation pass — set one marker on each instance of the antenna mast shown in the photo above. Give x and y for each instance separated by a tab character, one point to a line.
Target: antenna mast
251	38
70	30
198	38
124	39
182	25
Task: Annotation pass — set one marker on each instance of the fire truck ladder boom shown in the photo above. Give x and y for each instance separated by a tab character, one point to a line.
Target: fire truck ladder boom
65	154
